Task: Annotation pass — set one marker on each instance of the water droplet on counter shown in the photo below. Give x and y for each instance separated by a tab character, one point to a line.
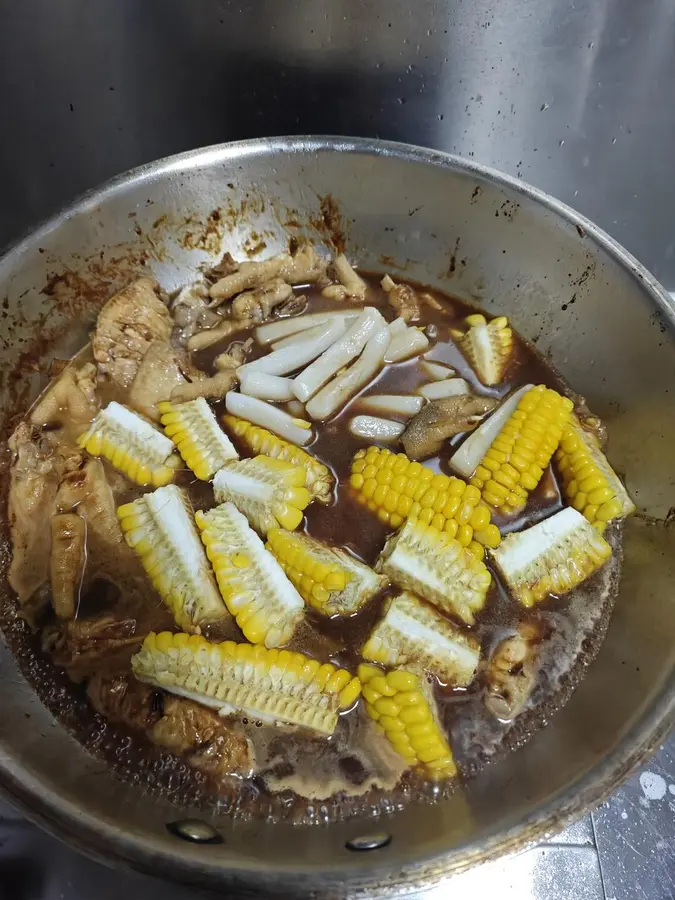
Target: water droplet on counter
653	786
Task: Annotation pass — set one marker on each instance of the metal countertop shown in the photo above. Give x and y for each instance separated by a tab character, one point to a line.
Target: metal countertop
575	98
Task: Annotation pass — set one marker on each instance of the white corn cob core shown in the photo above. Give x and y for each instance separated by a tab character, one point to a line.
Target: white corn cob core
448	576
165	522
553	541
411	632
172	519
117	419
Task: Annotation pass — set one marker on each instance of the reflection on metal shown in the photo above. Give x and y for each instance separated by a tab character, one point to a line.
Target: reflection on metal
195	830
369	842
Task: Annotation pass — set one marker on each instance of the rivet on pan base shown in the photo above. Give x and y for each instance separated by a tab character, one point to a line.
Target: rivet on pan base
195	830
369	842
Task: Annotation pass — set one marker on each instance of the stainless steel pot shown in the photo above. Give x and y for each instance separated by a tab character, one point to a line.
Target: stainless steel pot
589	306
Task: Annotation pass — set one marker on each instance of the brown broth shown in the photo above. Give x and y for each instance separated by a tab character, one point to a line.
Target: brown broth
354	770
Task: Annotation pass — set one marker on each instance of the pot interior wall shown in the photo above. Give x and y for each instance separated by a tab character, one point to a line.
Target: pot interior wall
448	225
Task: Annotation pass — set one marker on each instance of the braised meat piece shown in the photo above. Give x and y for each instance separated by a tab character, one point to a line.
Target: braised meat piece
101	644
191	312
303	266
402	299
67	558
441	419
160	373
512	672
350	286
216	746
127	326
70	401
257	305
39	462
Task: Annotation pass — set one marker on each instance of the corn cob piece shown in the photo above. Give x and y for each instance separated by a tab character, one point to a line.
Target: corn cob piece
435	566
159	527
132	445
589	483
487	346
193	428
273	686
270	492
412	633
551	557
328	578
466	459
516	459
264	602
319	481
397	489
403	706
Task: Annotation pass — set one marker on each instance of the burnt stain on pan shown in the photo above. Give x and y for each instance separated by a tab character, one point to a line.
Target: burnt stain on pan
330	223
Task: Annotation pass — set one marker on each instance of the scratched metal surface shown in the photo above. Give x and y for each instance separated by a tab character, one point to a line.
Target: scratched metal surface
575	97
623	851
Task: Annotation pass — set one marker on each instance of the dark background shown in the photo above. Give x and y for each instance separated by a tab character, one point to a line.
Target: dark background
576	98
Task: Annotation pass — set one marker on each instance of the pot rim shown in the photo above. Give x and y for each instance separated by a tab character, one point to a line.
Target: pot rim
95	836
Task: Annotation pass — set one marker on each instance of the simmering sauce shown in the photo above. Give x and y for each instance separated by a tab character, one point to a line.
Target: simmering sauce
306	778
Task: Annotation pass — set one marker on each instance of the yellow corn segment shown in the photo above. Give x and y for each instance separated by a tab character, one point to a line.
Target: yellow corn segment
255	590
397	489
132	445
272	686
402	705
328	578
590	484
487	346
159	527
412	633
516	459
551	557
319	481
270	492
201	442
435	566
